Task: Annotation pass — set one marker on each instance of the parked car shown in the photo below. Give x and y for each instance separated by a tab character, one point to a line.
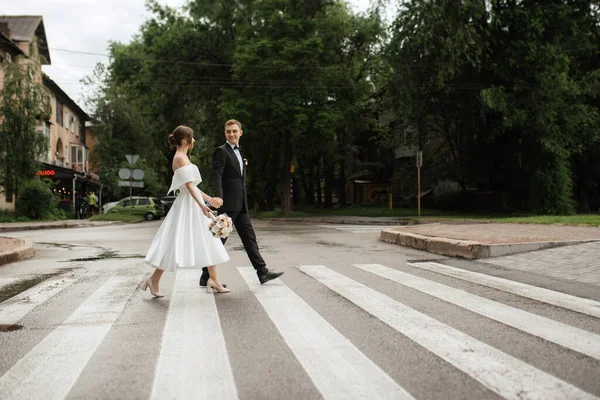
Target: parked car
167	202
149	207
107	206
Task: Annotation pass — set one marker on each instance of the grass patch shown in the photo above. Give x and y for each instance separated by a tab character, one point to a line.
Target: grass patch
278	214
432	215
575	220
6	216
117	217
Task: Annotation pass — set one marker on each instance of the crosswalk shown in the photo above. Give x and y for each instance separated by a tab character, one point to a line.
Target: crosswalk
192	359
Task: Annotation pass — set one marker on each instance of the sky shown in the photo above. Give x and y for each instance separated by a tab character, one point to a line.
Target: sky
76	26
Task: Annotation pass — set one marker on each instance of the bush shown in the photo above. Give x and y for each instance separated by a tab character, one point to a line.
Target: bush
36	200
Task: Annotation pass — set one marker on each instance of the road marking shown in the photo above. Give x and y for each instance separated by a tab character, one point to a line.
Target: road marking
500	372
567	336
7	281
338	369
51	368
193	362
356	228
15	308
574	303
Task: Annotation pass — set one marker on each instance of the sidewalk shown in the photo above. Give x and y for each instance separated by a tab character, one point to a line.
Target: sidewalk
12	250
346	219
483	240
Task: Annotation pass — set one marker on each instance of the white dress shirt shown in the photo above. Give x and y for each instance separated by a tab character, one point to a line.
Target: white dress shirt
239	157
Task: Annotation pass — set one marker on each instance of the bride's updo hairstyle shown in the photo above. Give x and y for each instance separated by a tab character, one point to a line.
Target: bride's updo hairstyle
180	134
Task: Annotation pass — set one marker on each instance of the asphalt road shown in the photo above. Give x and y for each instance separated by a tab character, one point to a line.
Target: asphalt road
351	318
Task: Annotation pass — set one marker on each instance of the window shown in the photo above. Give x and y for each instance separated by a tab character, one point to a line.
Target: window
143	202
67	120
125	203
59	113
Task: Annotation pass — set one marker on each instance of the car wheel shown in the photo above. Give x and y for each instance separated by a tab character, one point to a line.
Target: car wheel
150	217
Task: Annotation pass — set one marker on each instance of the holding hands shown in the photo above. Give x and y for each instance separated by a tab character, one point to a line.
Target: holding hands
216	202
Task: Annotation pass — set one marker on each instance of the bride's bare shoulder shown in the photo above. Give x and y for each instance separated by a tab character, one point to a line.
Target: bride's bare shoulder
180	161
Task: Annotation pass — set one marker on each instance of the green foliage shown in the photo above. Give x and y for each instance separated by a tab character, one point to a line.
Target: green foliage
117	217
36	201
22	103
501	96
503	88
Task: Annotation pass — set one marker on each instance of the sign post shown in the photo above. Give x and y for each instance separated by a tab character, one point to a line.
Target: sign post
419	165
127	173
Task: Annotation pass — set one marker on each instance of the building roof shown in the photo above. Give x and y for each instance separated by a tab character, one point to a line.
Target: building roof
10	44
23	28
63	97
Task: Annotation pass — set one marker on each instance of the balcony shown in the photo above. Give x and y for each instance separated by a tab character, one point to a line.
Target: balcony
80	167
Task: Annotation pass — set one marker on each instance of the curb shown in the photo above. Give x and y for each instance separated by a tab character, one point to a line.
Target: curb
346	221
23	249
467	248
59	225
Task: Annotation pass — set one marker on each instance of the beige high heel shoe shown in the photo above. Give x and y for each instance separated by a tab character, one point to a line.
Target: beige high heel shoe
148	284
210	284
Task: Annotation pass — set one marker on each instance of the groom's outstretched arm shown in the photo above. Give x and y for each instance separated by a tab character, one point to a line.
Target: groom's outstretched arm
216	174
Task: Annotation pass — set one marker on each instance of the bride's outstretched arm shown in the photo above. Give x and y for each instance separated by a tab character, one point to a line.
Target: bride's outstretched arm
192	189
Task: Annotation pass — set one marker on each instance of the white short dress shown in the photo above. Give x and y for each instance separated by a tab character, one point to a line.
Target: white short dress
183	239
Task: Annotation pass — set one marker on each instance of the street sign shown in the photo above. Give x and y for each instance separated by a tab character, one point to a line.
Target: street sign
131	184
132	158
420	159
138	174
124	173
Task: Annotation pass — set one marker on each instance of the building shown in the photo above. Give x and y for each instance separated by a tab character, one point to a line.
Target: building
67	160
23	39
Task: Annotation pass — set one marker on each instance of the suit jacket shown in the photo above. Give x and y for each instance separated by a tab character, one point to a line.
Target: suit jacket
228	182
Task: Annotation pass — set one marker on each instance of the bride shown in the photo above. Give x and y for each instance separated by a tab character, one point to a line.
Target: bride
184	240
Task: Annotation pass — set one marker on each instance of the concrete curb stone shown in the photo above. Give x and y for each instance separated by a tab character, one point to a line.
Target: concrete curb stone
20	250
468	249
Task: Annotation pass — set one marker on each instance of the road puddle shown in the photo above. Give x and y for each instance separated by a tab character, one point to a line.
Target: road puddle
10	328
21	285
106	255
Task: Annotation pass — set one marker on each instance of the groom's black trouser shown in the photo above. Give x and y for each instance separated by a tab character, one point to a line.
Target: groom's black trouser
244	228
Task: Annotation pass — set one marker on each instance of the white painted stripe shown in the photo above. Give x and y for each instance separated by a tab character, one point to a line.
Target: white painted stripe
193	362
337	368
567	336
51	368
7	281
574	303
15	308
500	372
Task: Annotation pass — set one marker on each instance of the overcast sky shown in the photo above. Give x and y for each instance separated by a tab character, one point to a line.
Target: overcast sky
88	26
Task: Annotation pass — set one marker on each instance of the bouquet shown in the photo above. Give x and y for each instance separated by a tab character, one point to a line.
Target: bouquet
220	226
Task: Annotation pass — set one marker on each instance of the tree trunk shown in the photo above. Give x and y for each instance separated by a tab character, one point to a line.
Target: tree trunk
286	176
342	183
317	181
584	199
310	186
329	180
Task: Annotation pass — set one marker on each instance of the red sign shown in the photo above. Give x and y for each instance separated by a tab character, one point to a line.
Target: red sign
45	172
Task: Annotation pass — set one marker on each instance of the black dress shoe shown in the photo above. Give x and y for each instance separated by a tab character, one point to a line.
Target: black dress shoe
269	275
204	281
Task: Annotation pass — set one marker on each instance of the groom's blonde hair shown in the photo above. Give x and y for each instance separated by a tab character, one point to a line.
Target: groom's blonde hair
233	122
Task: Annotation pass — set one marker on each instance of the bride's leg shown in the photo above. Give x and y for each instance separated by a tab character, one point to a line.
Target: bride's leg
156	278
212	271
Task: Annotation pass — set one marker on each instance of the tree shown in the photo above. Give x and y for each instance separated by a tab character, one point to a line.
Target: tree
22	103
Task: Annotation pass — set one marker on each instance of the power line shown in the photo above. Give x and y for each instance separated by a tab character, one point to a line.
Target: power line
220	65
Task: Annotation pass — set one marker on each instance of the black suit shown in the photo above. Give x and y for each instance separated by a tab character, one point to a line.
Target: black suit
228	183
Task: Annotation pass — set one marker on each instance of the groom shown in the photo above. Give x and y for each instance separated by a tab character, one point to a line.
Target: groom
229	196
